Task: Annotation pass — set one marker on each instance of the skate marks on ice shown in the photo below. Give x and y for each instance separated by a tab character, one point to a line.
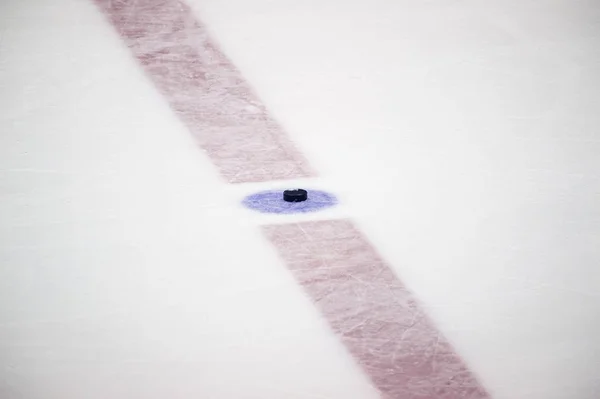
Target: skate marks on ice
206	91
377	319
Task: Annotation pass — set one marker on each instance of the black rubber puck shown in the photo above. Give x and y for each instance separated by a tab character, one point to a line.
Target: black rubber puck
297	195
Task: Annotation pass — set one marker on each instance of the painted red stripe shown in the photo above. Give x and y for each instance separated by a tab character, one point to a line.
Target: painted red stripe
206	91
376	317
379	321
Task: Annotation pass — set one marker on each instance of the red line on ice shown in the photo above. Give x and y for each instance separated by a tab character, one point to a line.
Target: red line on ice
376	317
206	91
378	320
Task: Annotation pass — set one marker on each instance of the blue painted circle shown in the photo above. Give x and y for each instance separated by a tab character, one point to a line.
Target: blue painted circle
272	202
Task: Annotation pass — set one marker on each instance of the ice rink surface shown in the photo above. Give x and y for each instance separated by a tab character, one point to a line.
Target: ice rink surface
462	138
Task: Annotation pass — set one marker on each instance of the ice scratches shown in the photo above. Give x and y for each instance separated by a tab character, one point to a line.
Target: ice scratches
206	91
378	320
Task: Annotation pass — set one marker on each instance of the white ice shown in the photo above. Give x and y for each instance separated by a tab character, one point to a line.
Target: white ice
462	136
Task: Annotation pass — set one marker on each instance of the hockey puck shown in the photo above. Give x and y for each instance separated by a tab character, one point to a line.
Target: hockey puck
297	195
